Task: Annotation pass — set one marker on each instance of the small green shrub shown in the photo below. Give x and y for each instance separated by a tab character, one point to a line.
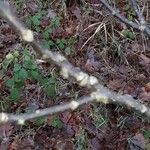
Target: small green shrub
22	68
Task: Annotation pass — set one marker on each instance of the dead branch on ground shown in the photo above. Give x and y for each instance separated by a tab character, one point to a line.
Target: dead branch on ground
99	93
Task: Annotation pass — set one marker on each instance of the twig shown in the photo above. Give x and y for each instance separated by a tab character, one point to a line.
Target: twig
21	118
138	13
141	27
98	92
96	31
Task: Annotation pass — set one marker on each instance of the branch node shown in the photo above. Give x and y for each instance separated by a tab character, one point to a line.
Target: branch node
93	80
142	27
64	72
114	12
3	117
74	105
142	22
21	121
143	109
82	78
27	35
37	111
99	97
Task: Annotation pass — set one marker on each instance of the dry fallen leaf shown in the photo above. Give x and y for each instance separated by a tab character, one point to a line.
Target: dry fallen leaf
144	59
147	86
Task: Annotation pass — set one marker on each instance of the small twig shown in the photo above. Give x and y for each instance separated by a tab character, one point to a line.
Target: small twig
96	31
141	27
21	118
138	13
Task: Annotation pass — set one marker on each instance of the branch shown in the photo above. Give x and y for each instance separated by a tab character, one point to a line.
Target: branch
21	118
140	27
138	13
98	91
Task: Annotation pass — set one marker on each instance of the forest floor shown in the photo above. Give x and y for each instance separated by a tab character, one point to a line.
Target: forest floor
93	40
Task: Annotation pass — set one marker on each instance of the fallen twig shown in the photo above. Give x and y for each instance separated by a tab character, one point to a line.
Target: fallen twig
98	91
143	27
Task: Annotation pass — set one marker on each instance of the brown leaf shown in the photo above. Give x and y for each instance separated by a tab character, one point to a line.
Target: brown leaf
19	144
5	133
66	117
147	86
77	13
145	96
44	22
144	60
51	14
31	7
64	144
116	84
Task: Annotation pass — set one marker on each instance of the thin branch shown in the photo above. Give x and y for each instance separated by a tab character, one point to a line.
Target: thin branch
140	27
21	118
98	91
138	13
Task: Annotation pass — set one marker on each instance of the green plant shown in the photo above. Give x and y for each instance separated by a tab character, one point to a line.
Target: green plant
128	34
121	122
55	22
39	121
130	13
33	21
146	134
61	43
98	118
80	140
56	122
22	69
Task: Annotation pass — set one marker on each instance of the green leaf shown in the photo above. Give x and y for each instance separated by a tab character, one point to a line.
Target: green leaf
27	58
16	53
63	41
55	22
16	77
127	7
10	83
19	83
131	35
56	123
46	34
6	63
130	17
146	134
60	43
14	94
36	20
35	75
50	90
29	21
48	86
37	28
1	73
127	33
39	121
22	74
51	43
46	44
17	67
51	80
